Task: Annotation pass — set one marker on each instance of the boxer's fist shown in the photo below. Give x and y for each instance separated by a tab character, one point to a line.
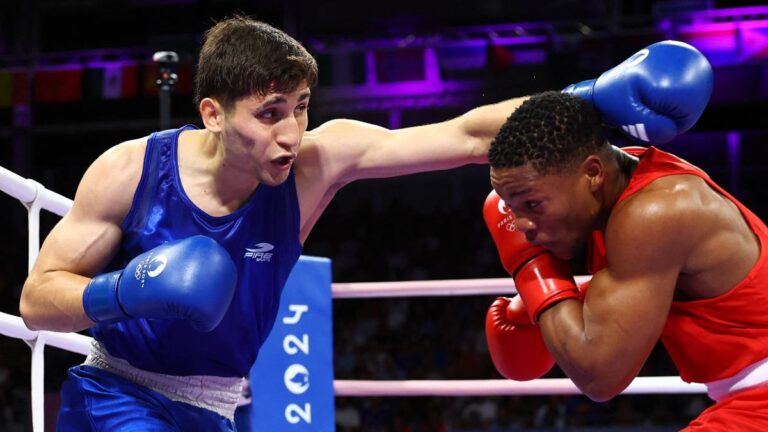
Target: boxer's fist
192	279
540	278
514	343
653	96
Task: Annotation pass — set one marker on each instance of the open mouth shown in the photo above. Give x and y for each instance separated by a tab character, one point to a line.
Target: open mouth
284	161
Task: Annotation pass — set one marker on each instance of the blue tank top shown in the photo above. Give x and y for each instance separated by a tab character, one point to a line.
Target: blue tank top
263	239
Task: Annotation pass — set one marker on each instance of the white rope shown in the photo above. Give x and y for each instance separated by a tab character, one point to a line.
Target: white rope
13	326
430	288
27	191
544	386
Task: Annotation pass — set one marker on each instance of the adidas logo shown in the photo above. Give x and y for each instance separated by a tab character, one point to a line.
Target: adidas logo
637	131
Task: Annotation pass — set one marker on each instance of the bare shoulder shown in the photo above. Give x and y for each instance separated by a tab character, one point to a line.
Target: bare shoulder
672	213
126	153
108	185
330	151
340	135
341	128
672	197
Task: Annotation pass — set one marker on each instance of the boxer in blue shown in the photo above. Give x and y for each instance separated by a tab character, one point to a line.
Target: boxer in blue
177	246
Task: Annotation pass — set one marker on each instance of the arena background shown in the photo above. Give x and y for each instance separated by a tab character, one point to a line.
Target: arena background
76	77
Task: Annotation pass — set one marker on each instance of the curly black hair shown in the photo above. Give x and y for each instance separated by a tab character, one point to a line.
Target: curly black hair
549	131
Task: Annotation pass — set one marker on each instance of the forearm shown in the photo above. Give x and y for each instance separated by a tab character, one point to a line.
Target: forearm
54	301
596	365
483	123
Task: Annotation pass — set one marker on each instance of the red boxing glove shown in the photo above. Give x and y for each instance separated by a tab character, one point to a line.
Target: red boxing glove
515	344
541	279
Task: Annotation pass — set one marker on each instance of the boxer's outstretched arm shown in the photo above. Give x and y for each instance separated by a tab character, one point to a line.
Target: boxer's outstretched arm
357	150
83	242
602	344
341	151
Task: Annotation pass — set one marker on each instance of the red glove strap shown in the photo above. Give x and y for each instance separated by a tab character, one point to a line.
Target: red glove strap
544	281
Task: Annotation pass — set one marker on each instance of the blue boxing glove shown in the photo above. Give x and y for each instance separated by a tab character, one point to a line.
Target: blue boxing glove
653	96
192	279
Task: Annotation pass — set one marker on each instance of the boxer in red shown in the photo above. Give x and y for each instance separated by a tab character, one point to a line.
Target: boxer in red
673	255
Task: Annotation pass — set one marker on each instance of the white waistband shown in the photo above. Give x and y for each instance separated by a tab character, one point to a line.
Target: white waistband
753	375
217	394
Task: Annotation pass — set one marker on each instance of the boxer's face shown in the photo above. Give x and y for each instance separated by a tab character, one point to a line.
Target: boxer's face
265	132
554	210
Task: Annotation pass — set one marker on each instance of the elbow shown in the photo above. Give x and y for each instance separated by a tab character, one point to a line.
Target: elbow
602	388
599	382
599	394
599	376
27	309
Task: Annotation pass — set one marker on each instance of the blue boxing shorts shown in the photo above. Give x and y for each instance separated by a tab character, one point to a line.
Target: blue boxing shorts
93	399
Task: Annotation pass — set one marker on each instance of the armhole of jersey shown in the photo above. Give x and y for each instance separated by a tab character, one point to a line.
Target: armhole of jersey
297	206
139	192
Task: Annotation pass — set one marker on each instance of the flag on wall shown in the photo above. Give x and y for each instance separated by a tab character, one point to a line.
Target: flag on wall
110	81
6	89
120	81
504	56
58	85
20	90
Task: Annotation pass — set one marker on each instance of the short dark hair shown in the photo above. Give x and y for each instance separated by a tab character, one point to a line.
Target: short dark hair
241	56
549	131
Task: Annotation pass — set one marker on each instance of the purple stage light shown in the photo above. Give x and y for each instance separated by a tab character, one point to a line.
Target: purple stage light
725	36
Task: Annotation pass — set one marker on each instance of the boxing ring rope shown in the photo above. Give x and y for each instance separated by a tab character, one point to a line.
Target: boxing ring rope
433	288
36	197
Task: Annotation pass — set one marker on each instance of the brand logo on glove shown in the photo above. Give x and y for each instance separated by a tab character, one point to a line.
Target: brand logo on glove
509	221
503	207
260	252
152	266
157	265
636	130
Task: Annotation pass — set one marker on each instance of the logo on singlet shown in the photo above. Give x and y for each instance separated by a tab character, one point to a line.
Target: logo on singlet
260	252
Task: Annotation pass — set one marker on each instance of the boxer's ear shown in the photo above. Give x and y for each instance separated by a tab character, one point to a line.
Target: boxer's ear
212	114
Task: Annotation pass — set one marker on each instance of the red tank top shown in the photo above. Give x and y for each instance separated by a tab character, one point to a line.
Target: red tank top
714	338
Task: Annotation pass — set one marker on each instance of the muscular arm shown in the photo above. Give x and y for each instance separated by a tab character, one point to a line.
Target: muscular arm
341	151
602	344
82	243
